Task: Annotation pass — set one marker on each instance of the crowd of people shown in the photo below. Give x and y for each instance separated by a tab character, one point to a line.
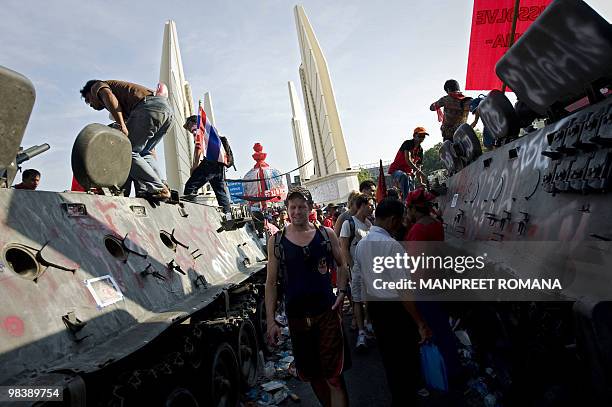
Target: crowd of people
318	259
317	254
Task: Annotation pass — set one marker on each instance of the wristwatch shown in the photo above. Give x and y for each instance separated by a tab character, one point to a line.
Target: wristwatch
342	290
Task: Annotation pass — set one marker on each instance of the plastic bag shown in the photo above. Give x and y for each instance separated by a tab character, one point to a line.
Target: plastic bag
434	369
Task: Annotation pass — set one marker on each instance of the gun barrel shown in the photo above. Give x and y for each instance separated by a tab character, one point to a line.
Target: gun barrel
31	152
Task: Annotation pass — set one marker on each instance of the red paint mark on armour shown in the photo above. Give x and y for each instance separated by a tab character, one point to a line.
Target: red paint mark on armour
112	226
105	207
13	325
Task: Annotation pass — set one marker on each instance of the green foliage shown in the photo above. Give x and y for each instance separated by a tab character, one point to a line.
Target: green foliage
363	175
431	159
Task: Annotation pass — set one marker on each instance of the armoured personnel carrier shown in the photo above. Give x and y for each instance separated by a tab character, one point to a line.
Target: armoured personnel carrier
115	301
550	186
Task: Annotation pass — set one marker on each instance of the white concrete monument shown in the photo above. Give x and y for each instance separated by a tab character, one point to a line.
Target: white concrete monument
178	142
210	114
208	108
333	179
303	150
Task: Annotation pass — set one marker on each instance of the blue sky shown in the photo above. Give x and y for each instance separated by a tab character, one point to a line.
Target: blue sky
388	61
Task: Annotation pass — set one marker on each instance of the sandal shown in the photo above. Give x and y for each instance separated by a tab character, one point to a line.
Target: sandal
161	195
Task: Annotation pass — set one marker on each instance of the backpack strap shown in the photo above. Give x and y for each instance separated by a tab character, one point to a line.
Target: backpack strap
279	253
228	151
352	230
327	243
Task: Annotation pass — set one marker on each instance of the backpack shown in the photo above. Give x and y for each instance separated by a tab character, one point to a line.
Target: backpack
228	152
279	253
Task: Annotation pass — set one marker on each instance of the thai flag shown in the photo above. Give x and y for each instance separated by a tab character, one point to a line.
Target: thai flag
209	138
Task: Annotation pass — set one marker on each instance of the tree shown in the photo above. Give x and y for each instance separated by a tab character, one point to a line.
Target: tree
363	175
431	159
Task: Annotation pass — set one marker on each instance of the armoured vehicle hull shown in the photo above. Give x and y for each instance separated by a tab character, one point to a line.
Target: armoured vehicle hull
551	186
88	281
119	301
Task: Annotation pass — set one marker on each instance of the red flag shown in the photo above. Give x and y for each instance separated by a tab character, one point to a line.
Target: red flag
490	37
76	186
381	190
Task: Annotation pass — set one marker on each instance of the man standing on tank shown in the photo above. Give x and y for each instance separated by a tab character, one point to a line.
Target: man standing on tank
143	118
205	170
301	258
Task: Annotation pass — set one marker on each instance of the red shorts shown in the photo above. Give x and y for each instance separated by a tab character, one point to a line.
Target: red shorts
318	345
334	276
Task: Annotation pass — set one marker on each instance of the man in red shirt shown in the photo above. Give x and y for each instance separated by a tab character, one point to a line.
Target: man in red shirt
425	227
408	161
329	218
29	180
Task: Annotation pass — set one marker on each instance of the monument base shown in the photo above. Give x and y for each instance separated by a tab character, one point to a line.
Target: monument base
333	188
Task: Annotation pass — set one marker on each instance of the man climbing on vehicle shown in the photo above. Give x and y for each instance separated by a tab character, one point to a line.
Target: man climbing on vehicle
456	108
144	118
408	162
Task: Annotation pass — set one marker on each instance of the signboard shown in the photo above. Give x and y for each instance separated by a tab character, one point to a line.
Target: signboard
325	192
490	37
235	189
104	290
454	201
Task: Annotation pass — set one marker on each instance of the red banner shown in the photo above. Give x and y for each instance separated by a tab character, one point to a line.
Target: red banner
490	37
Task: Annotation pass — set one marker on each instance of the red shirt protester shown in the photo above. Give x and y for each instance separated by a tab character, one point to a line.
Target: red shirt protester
414	150
426	232
29	180
425	227
21	185
328	222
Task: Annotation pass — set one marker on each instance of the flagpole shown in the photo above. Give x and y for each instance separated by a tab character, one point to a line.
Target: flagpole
514	19
198	116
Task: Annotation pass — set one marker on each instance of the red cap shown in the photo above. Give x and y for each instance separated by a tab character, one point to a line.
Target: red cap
419	197
312	216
